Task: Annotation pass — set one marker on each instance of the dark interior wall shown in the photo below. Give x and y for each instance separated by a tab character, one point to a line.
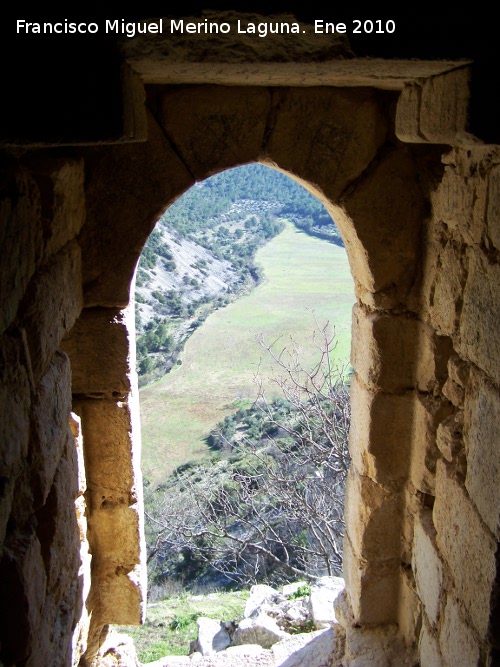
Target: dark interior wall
65	88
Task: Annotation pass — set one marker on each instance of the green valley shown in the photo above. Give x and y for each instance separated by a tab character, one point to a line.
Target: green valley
305	278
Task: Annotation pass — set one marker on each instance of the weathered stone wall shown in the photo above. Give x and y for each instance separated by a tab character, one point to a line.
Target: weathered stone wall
417	201
44	561
456	442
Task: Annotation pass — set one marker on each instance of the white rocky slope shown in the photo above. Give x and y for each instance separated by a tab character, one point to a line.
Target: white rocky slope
189	258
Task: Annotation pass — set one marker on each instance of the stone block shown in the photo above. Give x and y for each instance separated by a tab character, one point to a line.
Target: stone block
396	352
380	436
463	209
314	649
259	595
346	128
436	111
135	120
373	518
444	107
54	301
100	347
215	127
127	188
118	650
408	114
466	545
410	609
479	318
60	181
49	425
383	349
372	587
20	239
428	649
68	578
493	210
22	573
120	596
377	647
449	436
57	526
15	403
115	538
381	240
75	424
457	641
458	370
482	442
6	500
324	594
454	393
430	411
262	630
427	566
111	451
446	290
212	636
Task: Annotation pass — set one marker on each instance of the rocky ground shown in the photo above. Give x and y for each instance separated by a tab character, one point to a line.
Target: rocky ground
213	276
293	628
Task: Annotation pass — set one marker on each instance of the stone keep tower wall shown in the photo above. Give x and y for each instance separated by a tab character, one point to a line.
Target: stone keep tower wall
416	199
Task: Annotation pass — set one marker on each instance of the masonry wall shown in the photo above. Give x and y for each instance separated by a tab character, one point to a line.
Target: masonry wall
456	442
418	206
44	557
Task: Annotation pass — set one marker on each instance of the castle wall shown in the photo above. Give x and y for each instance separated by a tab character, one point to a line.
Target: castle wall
416	200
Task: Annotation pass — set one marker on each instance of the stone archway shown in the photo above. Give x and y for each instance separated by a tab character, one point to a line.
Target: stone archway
420	223
349	158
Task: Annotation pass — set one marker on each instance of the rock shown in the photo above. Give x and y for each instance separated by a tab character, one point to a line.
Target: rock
262	630
245	649
171	661
292	589
212	637
118	650
290	615
322	600
314	649
259	594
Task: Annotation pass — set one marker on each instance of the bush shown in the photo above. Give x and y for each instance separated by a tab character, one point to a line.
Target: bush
274	509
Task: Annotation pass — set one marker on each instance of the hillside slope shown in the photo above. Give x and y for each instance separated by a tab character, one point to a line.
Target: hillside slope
302	276
201	255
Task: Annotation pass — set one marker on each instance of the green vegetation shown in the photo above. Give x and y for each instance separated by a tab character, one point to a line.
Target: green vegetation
269	505
207	443
171	623
200	208
303	275
301	592
229	216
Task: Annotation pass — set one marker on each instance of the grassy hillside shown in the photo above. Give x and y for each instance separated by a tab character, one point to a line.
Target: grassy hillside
303	275
171	624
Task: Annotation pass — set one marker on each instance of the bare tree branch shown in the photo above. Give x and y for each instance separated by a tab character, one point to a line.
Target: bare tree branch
284	515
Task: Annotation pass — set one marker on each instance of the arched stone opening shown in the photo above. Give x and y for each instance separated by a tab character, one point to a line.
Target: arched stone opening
426	327
365	177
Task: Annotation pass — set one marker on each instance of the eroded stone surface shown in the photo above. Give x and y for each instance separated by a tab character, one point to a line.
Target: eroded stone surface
421	229
427	566
463	540
482	437
322	600
457	641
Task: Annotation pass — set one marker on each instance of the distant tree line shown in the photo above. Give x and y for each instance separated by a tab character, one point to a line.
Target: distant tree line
231	214
200	206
